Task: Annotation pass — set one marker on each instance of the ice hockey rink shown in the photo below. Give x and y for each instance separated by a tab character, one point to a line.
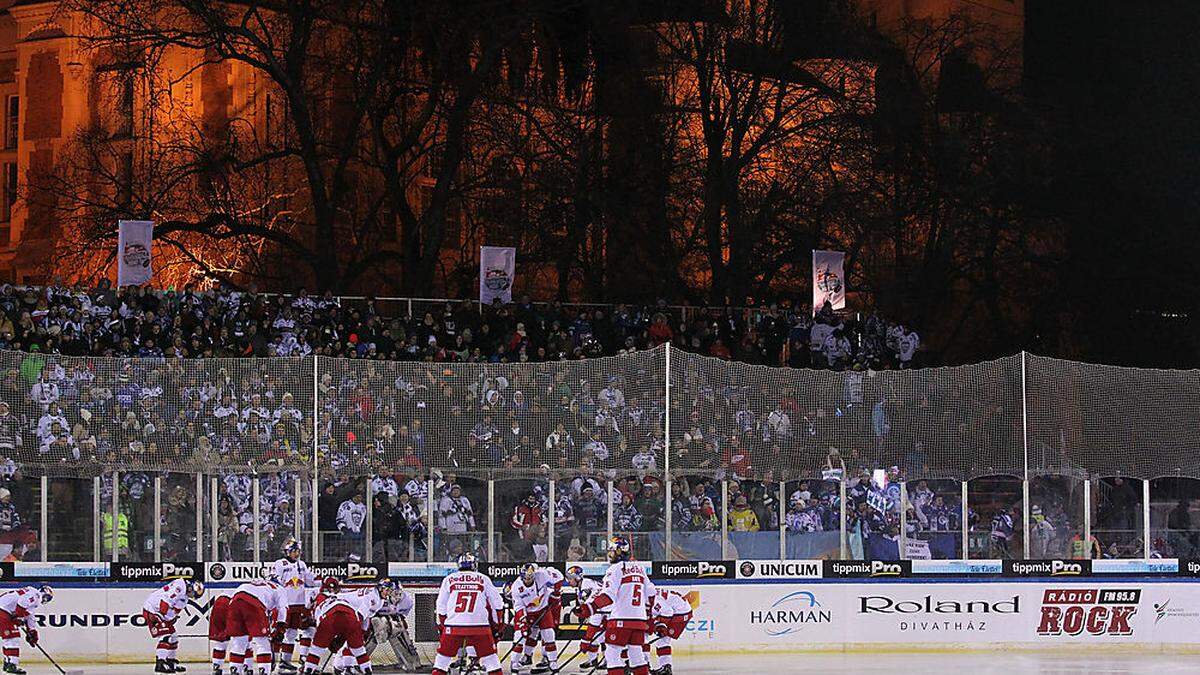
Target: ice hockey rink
842	664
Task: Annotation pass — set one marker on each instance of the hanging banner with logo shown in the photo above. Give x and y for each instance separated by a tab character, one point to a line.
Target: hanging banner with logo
134	240
829	279
497	270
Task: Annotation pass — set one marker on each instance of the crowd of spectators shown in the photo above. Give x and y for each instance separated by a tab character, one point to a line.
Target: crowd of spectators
392	409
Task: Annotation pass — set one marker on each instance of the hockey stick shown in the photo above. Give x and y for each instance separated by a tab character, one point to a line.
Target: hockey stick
531	621
50	659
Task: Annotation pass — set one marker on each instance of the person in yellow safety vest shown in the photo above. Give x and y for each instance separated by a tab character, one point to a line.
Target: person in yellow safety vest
1077	549
742	518
106	534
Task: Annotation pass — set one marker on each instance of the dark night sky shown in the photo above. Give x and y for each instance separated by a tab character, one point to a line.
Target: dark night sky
1120	81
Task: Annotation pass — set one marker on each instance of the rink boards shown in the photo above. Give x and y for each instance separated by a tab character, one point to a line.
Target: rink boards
796	606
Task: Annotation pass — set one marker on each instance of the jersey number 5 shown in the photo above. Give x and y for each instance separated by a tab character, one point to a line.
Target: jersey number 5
465	603
637	595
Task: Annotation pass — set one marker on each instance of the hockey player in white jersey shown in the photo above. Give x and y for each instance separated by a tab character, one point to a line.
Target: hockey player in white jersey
18	611
537	599
468	610
160	611
593	637
343	619
256	609
626	594
671	613
294	576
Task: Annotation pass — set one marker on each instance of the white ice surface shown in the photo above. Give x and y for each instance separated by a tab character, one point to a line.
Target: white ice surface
999	663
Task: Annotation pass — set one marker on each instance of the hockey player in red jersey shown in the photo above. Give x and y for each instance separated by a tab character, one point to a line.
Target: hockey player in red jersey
18	610
468	610
161	610
626	594
537	600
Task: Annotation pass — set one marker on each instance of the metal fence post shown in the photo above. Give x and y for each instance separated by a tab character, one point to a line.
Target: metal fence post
1146	519
44	525
609	498
297	511
724	520
96	553
214	520
157	518
116	516
669	497
491	523
316	520
844	544
1025	515
782	520
1087	516
199	517
551	515
254	492
964	516
369	526
432	522
669	508
316	456
902	542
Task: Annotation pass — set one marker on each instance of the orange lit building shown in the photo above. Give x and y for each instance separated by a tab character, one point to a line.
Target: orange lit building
51	88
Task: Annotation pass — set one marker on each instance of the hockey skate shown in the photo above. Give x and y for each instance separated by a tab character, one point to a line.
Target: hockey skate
10	667
665	670
173	664
160	666
287	668
591	664
541	668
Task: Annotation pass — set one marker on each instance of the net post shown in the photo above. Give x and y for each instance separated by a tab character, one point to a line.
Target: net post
199	517
369	525
844	544
1087	516
214	519
297	512
430	522
903	552
116	514
667	416
668	508
1146	518
491	521
551	516
44	525
1025	514
608	498
157	518
254	491
96	519
782	520
724	519
316	444
964	516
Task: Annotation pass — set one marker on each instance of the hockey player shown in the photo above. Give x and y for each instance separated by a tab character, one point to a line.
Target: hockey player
294	576
537	597
18	610
468	609
345	618
626	593
314	596
254	610
671	614
585	590
218	636
161	610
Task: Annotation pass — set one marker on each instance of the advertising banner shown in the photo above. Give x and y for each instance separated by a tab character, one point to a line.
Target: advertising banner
135	240
497	271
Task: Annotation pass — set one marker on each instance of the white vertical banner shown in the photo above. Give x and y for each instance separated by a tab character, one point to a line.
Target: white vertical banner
497	270
829	279
134	245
